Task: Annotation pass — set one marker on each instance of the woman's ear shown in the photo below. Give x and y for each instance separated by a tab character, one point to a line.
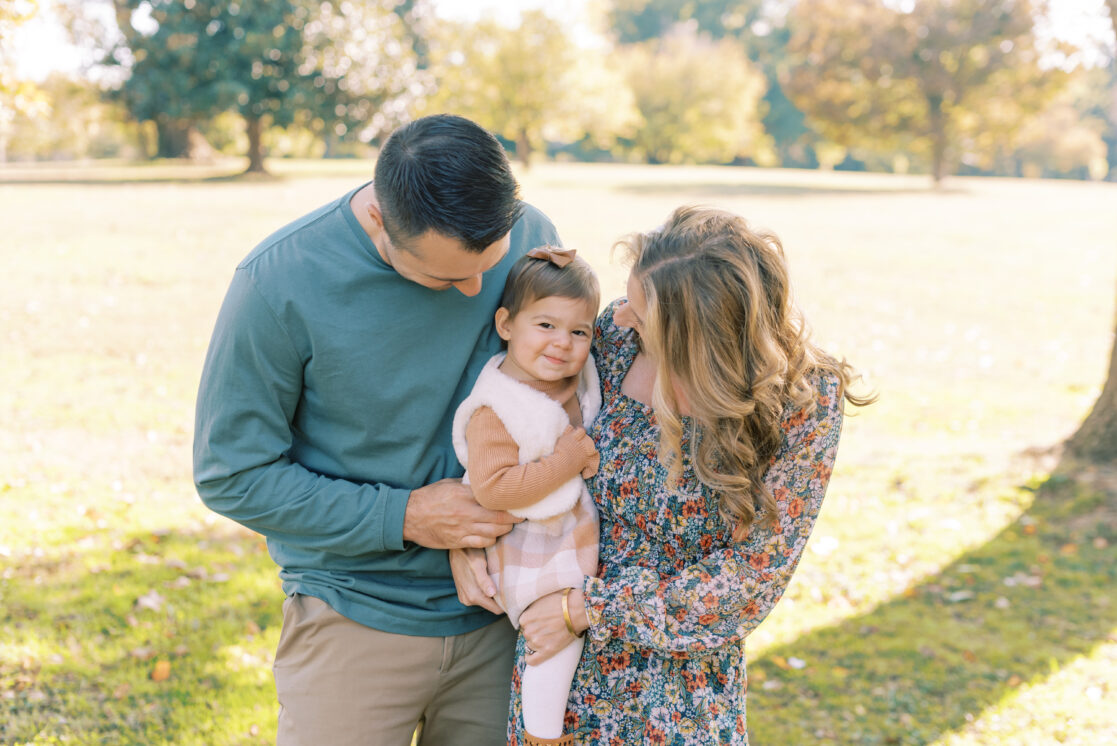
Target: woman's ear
501	322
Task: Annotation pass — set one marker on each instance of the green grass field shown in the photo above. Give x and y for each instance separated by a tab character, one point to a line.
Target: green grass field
959	586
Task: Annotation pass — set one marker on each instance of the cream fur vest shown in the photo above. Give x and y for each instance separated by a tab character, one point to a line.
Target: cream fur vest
534	420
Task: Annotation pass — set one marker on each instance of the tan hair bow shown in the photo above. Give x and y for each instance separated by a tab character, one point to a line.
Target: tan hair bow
558	257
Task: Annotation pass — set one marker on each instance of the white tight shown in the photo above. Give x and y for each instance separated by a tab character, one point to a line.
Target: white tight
546	688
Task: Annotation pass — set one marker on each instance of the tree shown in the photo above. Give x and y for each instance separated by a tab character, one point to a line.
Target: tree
527	84
1065	139
921	76
275	62
79	124
1096	438
17	97
759	26
700	100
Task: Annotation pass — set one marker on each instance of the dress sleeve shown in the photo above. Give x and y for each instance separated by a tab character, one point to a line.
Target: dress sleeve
722	598
499	480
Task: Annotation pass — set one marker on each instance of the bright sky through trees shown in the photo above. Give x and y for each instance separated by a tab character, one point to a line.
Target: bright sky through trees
41	45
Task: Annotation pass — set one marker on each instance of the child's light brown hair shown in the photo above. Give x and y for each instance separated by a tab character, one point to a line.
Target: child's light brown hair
533	278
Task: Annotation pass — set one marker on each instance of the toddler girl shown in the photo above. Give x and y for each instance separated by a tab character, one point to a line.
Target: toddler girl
521	436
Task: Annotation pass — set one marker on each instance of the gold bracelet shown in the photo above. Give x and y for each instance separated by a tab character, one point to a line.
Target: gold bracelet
566	613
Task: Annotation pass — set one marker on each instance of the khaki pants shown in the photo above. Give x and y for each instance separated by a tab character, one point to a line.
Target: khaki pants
342	683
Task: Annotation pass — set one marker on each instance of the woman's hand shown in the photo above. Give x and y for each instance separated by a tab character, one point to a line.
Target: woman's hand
544	629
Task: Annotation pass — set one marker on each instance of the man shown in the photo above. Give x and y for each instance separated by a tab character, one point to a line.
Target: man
344	345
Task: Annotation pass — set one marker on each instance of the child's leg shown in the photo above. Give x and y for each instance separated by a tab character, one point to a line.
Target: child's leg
546	688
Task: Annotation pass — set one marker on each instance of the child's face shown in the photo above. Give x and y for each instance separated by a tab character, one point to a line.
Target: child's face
548	340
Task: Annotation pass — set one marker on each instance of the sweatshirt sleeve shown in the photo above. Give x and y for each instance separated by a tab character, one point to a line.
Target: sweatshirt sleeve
499	480
251	385
723	597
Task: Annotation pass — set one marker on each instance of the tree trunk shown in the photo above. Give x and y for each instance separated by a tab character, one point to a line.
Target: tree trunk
938	140
523	149
255	145
1111	139
172	137
1096	439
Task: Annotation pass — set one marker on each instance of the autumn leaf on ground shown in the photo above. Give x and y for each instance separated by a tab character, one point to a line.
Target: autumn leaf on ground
150	600
162	671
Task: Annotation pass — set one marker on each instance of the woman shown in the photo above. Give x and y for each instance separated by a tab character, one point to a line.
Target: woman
718	432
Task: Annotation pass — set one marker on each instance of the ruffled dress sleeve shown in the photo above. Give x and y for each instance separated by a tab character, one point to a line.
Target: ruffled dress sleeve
720	598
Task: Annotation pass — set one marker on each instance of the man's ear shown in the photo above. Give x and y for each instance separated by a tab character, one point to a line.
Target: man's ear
502	323
375	215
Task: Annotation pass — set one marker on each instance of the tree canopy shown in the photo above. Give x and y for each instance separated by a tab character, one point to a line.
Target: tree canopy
526	83
922	77
700	101
326	65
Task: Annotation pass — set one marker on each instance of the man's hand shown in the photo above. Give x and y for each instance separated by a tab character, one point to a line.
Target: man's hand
444	515
471	576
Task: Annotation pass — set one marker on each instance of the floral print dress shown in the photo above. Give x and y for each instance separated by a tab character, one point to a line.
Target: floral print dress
675	596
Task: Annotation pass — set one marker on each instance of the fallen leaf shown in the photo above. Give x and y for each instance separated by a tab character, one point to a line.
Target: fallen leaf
969	656
121	691
251	628
144	653
150	600
780	661
1015	680
1068	549
162	671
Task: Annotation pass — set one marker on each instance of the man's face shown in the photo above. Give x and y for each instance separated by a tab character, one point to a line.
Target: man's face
439	262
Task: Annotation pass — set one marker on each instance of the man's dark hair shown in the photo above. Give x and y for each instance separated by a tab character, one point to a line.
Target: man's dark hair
444	173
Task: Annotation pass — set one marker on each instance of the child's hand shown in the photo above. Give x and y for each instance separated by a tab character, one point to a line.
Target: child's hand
577	444
591	465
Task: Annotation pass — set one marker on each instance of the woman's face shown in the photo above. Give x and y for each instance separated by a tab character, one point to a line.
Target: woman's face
632	314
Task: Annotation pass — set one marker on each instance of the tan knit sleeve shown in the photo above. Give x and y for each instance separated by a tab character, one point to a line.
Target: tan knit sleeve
499	481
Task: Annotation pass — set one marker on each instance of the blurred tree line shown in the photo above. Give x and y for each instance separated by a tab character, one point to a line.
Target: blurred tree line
928	86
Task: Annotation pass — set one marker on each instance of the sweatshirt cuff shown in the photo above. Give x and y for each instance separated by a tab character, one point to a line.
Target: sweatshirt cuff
395	506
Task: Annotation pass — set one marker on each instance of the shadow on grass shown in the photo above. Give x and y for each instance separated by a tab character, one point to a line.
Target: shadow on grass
775	190
159	638
1010	612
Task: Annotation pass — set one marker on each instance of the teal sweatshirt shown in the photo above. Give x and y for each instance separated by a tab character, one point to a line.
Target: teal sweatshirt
327	395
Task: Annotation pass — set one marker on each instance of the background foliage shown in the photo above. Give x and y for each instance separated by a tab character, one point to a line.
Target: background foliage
936	86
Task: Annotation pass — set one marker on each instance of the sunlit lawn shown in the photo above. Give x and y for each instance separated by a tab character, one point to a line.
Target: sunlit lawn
951	593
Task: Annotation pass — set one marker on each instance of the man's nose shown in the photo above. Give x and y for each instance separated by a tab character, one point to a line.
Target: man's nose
469	287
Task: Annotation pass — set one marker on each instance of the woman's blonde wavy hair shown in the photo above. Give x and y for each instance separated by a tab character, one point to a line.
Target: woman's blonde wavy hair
721	325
